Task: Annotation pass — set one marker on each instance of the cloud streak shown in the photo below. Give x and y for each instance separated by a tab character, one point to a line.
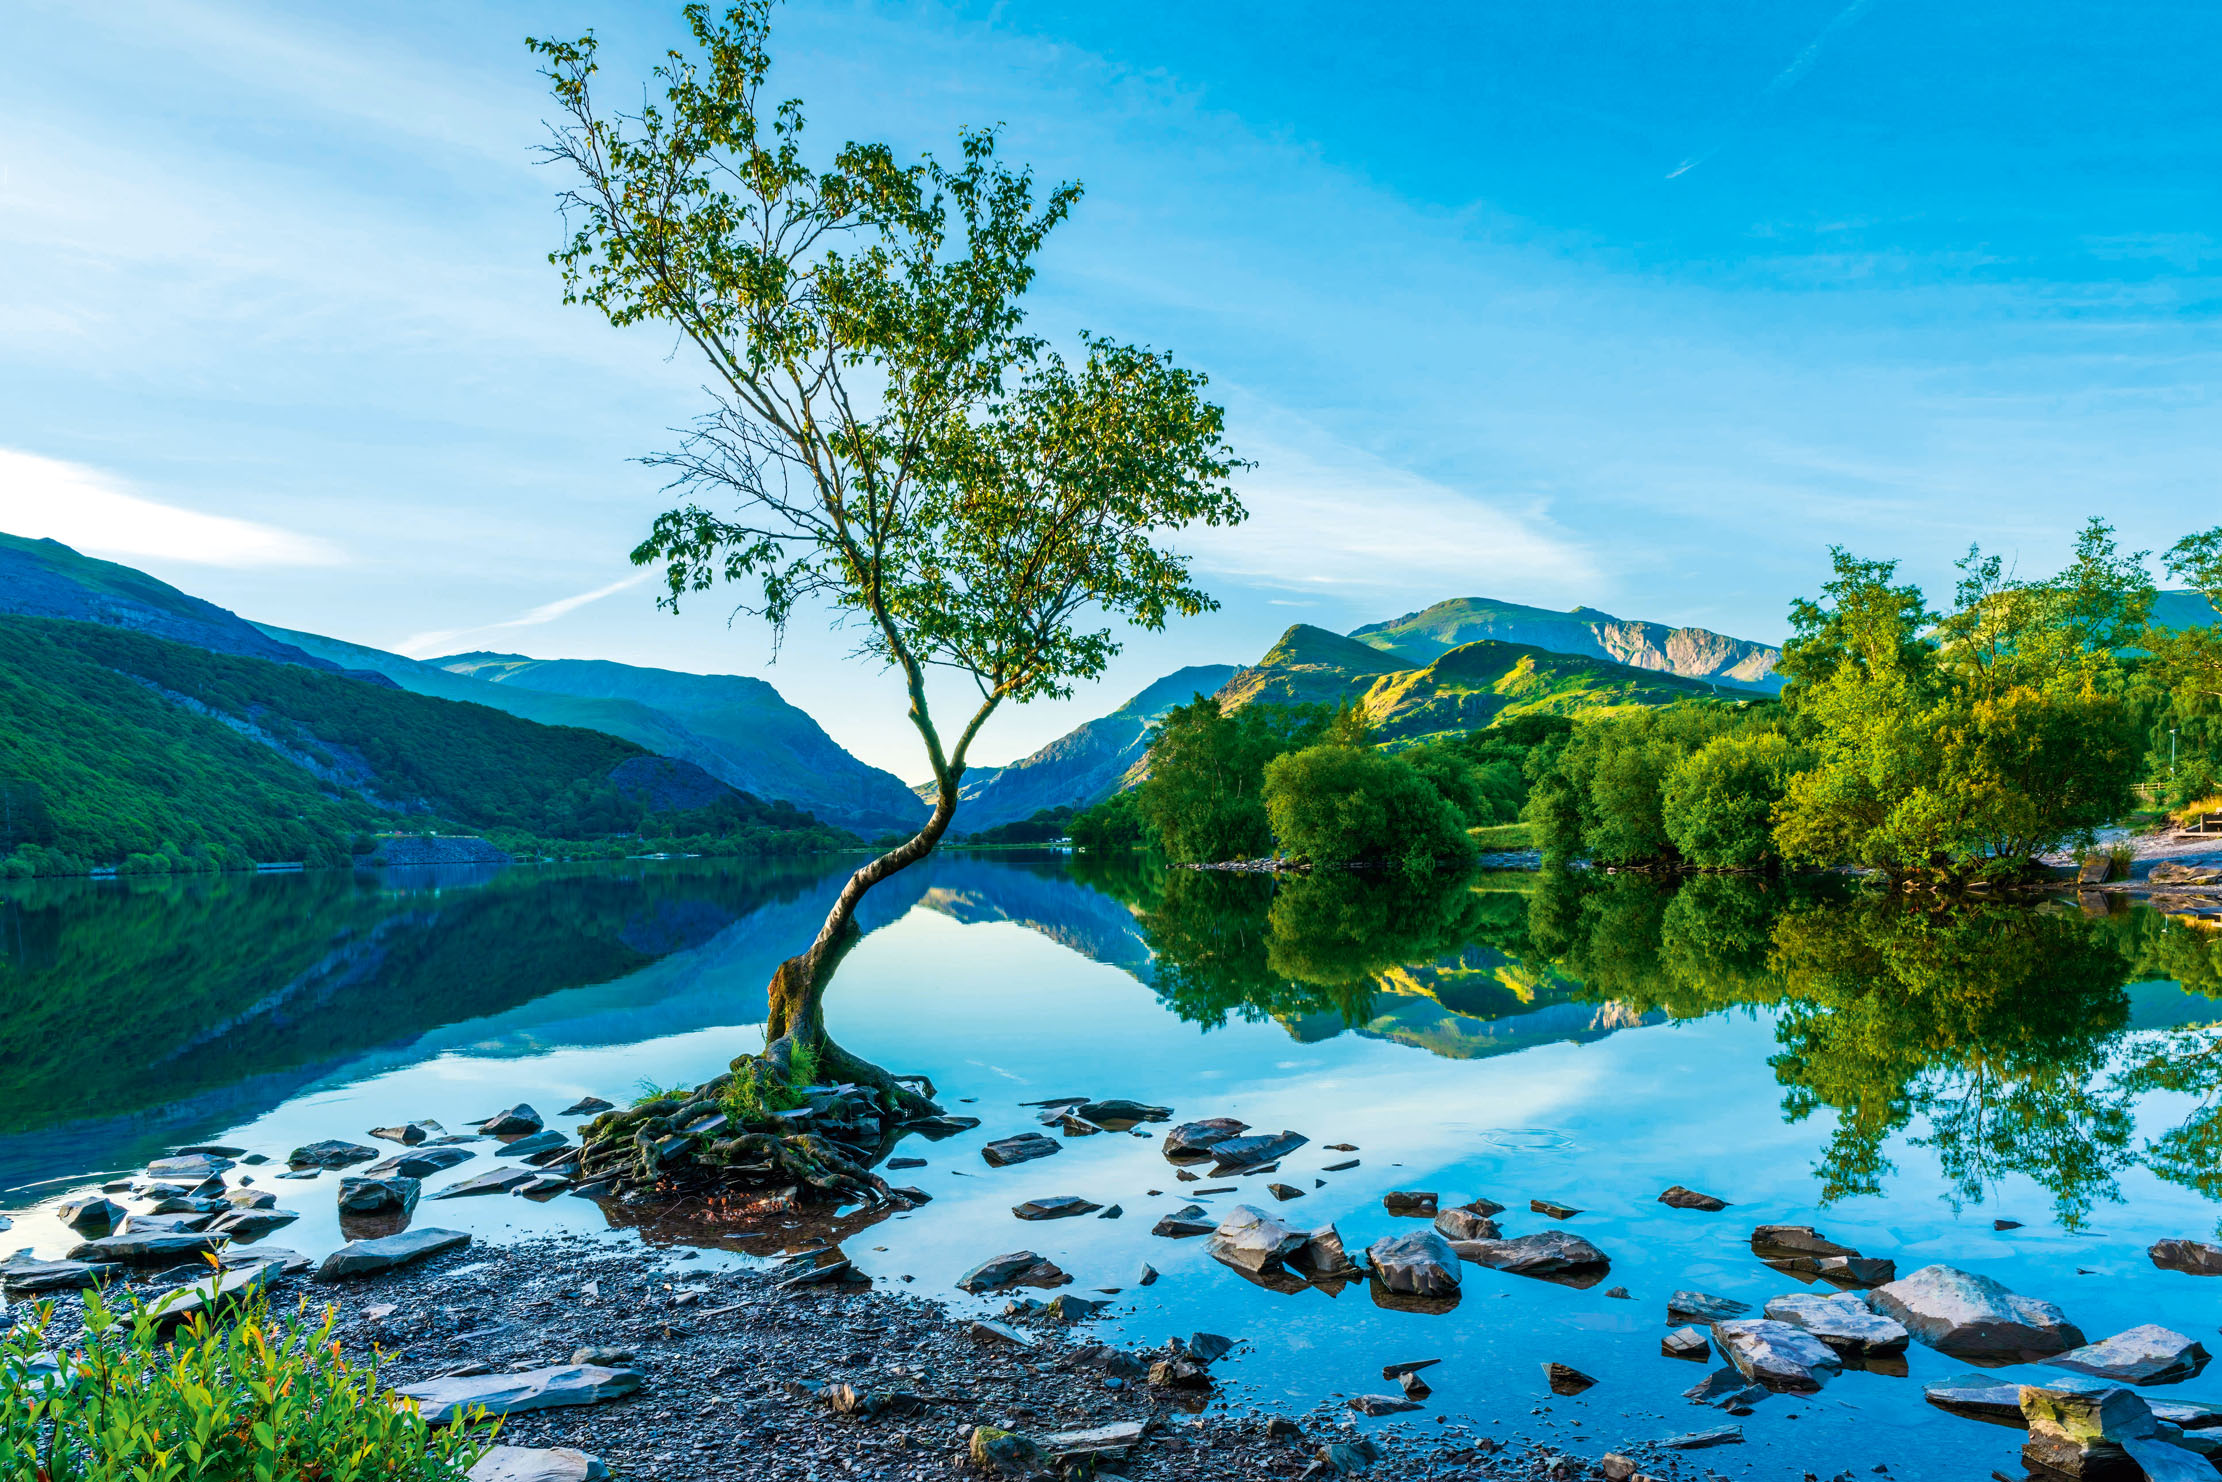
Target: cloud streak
96	512
423	645
1800	64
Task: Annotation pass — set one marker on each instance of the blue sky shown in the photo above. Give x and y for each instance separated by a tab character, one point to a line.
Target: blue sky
1634	306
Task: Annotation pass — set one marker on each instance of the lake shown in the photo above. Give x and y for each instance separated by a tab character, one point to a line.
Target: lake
1903	1080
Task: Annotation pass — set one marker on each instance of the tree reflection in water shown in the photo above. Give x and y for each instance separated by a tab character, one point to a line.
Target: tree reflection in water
1996	1036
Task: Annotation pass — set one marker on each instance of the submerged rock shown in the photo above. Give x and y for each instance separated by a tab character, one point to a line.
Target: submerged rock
443	1400
1775	1354
1419	1263
1719	1435
1054	1207
1843	1323
497	1181
1252	1240
190	1167
2146	1354
1023	1148
1961	1313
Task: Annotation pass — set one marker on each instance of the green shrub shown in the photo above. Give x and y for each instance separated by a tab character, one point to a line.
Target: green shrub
242	1398
1341	804
1718	802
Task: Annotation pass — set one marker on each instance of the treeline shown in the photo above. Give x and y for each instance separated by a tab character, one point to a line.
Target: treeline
152	757
1957	744
1308	783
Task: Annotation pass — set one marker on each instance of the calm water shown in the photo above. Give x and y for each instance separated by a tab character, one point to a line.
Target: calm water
1899	1081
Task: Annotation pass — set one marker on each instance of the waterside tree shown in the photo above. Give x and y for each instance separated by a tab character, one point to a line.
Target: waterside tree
886	443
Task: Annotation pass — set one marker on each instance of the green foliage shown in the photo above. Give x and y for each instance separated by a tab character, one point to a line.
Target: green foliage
1718	802
240	1398
1339	803
1043	826
1116	824
646	1090
1204	799
1603	794
888	440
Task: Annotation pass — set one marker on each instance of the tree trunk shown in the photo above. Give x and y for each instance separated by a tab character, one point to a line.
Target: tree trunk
797	991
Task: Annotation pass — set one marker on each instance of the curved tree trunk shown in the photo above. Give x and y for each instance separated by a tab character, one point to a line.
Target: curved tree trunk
797	991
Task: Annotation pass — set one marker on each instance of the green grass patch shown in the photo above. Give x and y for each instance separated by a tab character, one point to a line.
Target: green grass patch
1502	836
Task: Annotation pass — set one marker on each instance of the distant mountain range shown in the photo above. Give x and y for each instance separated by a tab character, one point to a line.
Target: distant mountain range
1085	765
1692	653
737	729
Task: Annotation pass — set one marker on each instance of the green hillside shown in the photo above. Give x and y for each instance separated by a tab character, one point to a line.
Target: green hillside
1691	653
1465	689
124	749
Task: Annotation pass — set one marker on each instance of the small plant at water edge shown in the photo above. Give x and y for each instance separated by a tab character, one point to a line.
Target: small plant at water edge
240	1398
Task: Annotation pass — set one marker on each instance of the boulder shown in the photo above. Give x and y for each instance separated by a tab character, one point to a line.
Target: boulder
548	1142
1776	1355
2192	1257
1680	1198
2079	1433
1191	1141
1971	1316
420	1163
1184	1222
330	1153
1686	1343
1252	1240
90	1214
518	1121
2146	1354
1410	1203
1123	1113
190	1168
1054	1207
1019	1268
1418	1263
1704	1307
248	1225
537	1464
1464	1224
1322	1256
499	1181
1023	1148
153	1248
1547	1254
1843	1323
1237	1153
362	1257
440	1401
24	1276
392	1194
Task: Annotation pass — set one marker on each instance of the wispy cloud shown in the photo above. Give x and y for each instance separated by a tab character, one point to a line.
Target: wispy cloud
439	639
94	511
1800	64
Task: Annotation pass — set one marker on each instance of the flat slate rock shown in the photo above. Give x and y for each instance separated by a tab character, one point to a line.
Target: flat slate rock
1055	1207
1971	1316
1023	1148
548	1142
251	1224
1018	1268
1704	1307
1686	1343
1104	1113
1382	1404
1680	1198
409	1134
331	1153
1552	1210
1545	1254
1843	1323
24	1275
443	1400
1192	1140
1719	1435
1801	1240
362	1257
90	1215
190	1167
1118	1437
498	1181
538	1464
1776	1355
1565	1379
2192	1257
2146	1354
155	1248
1253	1152
419	1163
1182	1223
1982	1395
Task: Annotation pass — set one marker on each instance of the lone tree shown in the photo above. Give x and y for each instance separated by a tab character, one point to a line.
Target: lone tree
886	443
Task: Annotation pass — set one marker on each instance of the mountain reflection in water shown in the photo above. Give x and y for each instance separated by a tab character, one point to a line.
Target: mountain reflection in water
2004	1039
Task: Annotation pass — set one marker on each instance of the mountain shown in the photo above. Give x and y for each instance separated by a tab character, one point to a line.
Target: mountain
1461	690
46	579
1692	653
736	728
1082	767
124	748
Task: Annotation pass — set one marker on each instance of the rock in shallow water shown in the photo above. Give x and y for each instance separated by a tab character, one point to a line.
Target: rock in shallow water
1776	1355
2192	1257
1023	1148
1686	1343
1551	1253
515	1122
1018	1268
1704	1307
1678	1197
1184	1222
331	1153
1237	1153
419	1163
24	1275
1465	1224
1565	1379
364	1195
155	1248
1382	1404
90	1215
1419	1262
1193	1140
1843	1323
443	1400
362	1257
499	1181
1054	1207
1252	1240
2146	1354
1961	1313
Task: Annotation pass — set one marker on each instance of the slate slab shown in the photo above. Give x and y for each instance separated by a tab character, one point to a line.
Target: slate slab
443	1400
362	1257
